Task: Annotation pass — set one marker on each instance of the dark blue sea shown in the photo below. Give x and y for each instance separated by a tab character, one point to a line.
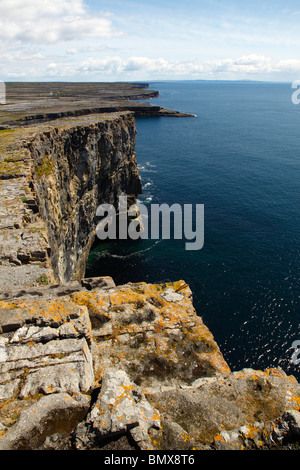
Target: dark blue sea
240	158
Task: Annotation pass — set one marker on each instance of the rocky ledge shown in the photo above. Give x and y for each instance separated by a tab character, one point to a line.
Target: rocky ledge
99	366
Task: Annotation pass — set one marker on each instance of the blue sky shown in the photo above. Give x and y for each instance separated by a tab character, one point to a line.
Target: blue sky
101	40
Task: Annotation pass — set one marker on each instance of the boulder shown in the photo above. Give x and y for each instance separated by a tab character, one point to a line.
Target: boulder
49	415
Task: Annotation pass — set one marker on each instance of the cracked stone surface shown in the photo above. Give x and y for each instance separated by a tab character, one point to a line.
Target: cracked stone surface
141	371
50	355
152	332
121	407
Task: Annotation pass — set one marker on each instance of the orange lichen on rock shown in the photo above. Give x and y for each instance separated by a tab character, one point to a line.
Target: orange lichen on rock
53	312
153	328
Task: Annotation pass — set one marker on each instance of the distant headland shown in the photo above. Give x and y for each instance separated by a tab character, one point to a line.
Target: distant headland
32	103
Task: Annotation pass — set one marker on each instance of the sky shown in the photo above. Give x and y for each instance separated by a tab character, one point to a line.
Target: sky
143	40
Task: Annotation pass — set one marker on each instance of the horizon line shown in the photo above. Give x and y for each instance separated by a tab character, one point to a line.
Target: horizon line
146	82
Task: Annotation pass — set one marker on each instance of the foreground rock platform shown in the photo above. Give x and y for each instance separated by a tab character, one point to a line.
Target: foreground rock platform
130	367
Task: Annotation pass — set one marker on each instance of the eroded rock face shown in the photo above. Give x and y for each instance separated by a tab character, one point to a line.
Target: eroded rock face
86	364
121	408
24	246
131	367
231	409
46	417
52	179
79	165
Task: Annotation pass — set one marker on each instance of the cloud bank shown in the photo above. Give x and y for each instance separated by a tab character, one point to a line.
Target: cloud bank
251	64
140	68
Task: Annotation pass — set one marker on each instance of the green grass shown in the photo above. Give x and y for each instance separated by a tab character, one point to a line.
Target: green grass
43	280
45	168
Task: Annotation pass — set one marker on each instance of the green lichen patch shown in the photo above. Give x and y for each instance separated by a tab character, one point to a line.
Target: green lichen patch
45	168
42	280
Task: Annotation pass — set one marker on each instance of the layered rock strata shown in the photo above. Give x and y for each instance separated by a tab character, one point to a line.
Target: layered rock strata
24	246
52	179
79	165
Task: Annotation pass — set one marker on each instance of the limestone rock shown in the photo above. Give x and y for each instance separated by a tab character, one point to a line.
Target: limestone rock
79	164
56	174
161	380
51	291
292	418
152	332
120	408
46	349
51	414
236	411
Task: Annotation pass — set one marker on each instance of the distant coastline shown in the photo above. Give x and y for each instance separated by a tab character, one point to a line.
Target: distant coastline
33	103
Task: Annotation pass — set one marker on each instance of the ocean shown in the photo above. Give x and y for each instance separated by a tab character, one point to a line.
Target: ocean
240	158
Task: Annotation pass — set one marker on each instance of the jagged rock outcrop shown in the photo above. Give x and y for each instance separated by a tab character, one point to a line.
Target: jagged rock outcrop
121	408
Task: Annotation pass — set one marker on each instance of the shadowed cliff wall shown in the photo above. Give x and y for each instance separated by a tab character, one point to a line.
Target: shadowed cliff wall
76	167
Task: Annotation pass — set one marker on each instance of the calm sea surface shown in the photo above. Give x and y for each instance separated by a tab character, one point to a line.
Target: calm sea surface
240	158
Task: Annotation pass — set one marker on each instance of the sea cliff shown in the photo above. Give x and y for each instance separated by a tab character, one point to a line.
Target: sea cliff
87	364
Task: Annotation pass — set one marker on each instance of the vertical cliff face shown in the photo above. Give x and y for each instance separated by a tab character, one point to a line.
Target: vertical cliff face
77	165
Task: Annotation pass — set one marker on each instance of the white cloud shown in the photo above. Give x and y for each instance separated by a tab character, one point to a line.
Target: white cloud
51	21
35	65
245	65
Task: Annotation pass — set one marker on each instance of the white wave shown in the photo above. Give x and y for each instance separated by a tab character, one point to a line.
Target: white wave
106	254
150	164
148	167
